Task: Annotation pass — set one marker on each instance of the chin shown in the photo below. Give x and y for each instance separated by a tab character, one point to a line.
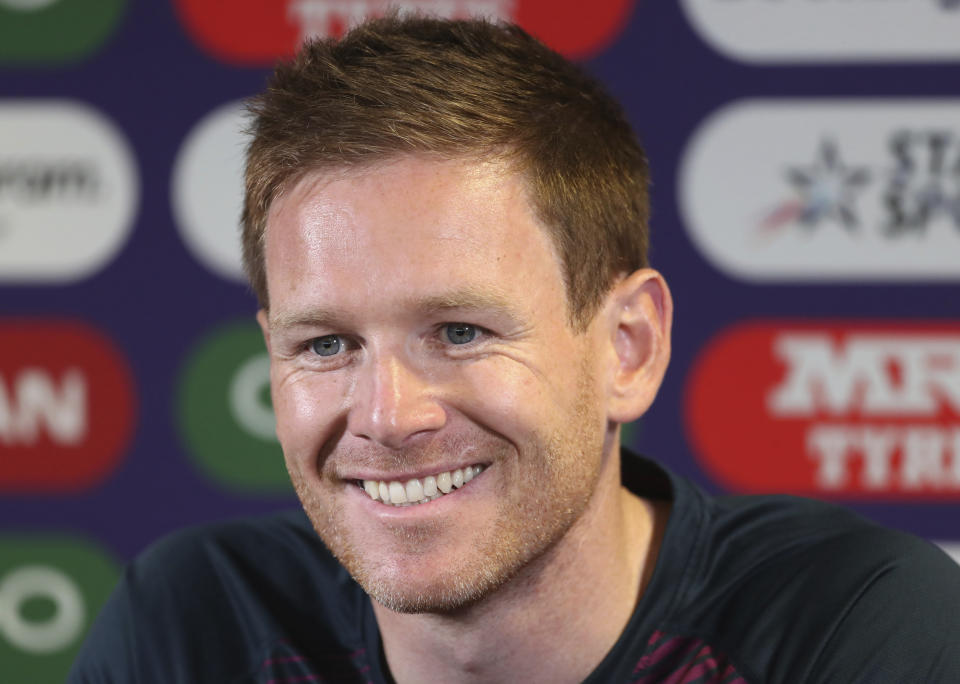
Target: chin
403	594
447	578
440	578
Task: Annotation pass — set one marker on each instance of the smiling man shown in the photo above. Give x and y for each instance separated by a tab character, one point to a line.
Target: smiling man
450	431
443	422
446	228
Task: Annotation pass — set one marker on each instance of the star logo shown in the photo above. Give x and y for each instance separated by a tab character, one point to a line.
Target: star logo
824	190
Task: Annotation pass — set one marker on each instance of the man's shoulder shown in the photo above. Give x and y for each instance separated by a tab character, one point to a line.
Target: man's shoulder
277	545
779	530
216	601
736	547
263	564
792	587
793	546
197	546
734	540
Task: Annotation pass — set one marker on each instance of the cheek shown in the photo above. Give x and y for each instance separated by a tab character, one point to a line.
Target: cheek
509	398
538	401
306	409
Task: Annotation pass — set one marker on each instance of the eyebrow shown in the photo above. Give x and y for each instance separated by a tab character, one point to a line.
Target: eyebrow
466	300
302	319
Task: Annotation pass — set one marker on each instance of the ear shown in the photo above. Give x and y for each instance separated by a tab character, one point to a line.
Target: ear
264	320
639	315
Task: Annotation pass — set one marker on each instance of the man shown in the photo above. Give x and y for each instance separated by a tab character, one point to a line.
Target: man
445	226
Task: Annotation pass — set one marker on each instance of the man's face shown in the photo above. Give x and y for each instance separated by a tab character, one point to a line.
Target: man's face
417	327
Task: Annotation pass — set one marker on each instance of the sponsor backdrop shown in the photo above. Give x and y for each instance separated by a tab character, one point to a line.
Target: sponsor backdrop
806	158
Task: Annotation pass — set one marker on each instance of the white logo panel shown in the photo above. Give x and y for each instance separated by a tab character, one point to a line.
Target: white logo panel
207	188
768	31
827	190
68	191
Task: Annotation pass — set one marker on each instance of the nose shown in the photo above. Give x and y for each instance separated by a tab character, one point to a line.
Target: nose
393	402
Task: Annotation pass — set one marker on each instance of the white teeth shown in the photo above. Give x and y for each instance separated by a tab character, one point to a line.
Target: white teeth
414	490
398	494
443	483
417	491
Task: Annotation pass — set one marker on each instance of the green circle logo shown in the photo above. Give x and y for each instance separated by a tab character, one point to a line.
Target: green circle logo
51	588
50	31
225	414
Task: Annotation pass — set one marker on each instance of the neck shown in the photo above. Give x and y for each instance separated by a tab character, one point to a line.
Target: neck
556	619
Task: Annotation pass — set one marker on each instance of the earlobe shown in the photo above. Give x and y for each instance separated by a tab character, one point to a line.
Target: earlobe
640	313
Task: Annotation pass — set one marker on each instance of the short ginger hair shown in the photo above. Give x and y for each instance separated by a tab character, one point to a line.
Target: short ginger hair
460	89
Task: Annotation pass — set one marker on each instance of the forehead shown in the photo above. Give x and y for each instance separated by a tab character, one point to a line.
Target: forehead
415	225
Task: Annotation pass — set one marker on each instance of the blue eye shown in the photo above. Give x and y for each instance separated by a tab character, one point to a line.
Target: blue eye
461	333
328	345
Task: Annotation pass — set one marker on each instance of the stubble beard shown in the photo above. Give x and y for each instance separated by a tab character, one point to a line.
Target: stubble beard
541	506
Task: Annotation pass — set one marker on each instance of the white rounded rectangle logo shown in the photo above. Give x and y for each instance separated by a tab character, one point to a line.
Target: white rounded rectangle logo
778	31
68	191
207	189
846	190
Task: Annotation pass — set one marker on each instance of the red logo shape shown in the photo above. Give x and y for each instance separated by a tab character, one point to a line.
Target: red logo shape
255	33
67	406
830	409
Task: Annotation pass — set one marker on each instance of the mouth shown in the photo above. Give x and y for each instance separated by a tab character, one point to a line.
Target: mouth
419	490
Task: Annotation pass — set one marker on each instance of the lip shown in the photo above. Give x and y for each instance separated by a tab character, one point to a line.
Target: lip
429	509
